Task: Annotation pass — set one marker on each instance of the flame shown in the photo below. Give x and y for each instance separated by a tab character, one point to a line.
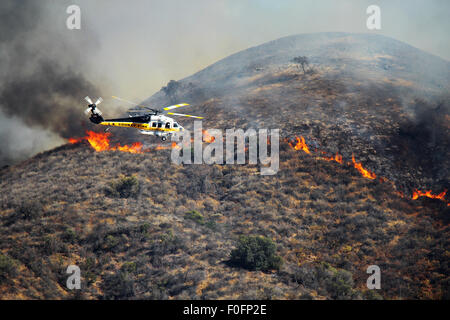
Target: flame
400	194
134	148
75	140
418	193
172	146
175	146
366	173
100	142
300	144
208	138
337	158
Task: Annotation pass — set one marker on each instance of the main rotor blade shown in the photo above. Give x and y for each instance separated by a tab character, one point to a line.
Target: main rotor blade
184	115
88	99
130	102
176	106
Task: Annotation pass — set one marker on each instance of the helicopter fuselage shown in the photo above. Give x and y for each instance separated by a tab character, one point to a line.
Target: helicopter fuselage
158	125
148	120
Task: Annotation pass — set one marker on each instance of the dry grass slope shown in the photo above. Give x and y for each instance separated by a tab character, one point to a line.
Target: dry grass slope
328	224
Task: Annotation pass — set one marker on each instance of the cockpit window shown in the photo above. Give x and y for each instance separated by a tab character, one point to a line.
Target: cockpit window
175	125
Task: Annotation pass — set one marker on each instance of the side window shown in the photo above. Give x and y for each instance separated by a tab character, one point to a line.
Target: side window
168	125
153	124
159	124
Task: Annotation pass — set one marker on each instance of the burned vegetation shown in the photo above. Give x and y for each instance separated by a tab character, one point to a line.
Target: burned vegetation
140	227
204	232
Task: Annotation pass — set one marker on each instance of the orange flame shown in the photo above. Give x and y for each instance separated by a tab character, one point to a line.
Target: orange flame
418	193
400	194
172	146
208	138
366	173
100	142
74	140
300	144
337	158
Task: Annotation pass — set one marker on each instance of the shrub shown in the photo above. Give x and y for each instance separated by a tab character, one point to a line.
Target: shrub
30	210
338	282
256	253
50	245
8	268
195	216
330	281
211	224
118	286
111	242
167	244
69	235
129	267
340	285
124	187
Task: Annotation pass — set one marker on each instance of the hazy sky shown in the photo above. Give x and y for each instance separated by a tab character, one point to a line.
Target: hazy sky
138	46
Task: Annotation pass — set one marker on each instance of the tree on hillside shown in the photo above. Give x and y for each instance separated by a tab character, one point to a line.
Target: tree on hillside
171	89
301	61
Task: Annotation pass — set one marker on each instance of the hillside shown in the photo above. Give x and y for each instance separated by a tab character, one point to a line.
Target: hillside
370	95
168	232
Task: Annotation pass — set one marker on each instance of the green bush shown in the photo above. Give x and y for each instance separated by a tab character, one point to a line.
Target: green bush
337	282
129	267
124	187
195	216
69	235
111	242
256	253
340	286
8	268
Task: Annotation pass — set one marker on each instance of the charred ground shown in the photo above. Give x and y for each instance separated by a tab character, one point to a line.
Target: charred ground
171	233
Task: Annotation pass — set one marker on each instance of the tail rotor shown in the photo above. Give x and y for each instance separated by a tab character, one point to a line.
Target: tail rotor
96	114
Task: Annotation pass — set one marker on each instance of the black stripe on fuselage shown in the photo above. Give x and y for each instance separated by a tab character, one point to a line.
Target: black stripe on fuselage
139	119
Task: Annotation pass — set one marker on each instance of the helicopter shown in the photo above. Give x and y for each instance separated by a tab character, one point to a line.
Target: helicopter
147	120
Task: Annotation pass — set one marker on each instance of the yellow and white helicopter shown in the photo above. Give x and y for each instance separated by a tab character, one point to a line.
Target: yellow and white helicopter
147	120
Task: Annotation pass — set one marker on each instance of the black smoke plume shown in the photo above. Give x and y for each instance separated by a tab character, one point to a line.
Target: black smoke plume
49	98
40	86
